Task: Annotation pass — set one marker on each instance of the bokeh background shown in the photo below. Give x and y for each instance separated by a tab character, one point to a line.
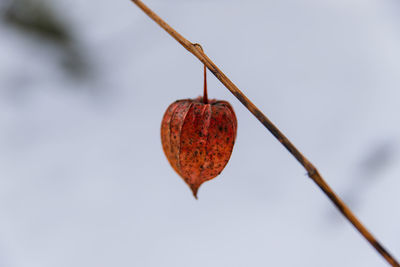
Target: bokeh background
83	88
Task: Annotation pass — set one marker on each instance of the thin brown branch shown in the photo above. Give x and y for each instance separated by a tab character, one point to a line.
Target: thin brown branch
313	173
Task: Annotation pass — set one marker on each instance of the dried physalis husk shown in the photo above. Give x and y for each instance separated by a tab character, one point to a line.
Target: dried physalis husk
197	136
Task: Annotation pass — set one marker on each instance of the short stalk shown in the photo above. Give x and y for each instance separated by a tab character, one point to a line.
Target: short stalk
205	96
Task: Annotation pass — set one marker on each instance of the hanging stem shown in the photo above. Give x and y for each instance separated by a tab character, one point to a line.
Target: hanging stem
311	170
205	97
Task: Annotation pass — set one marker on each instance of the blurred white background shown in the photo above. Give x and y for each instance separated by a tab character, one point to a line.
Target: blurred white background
83	88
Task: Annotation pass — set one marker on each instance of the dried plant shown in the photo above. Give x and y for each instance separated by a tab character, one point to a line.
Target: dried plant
312	171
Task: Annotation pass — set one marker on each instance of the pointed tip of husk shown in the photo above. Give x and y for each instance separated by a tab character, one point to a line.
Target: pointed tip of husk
194	191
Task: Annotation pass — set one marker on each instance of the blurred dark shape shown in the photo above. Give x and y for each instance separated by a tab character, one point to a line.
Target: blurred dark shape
36	17
377	160
370	168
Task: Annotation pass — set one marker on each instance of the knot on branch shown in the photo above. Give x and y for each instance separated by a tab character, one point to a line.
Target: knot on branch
196	45
312	172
